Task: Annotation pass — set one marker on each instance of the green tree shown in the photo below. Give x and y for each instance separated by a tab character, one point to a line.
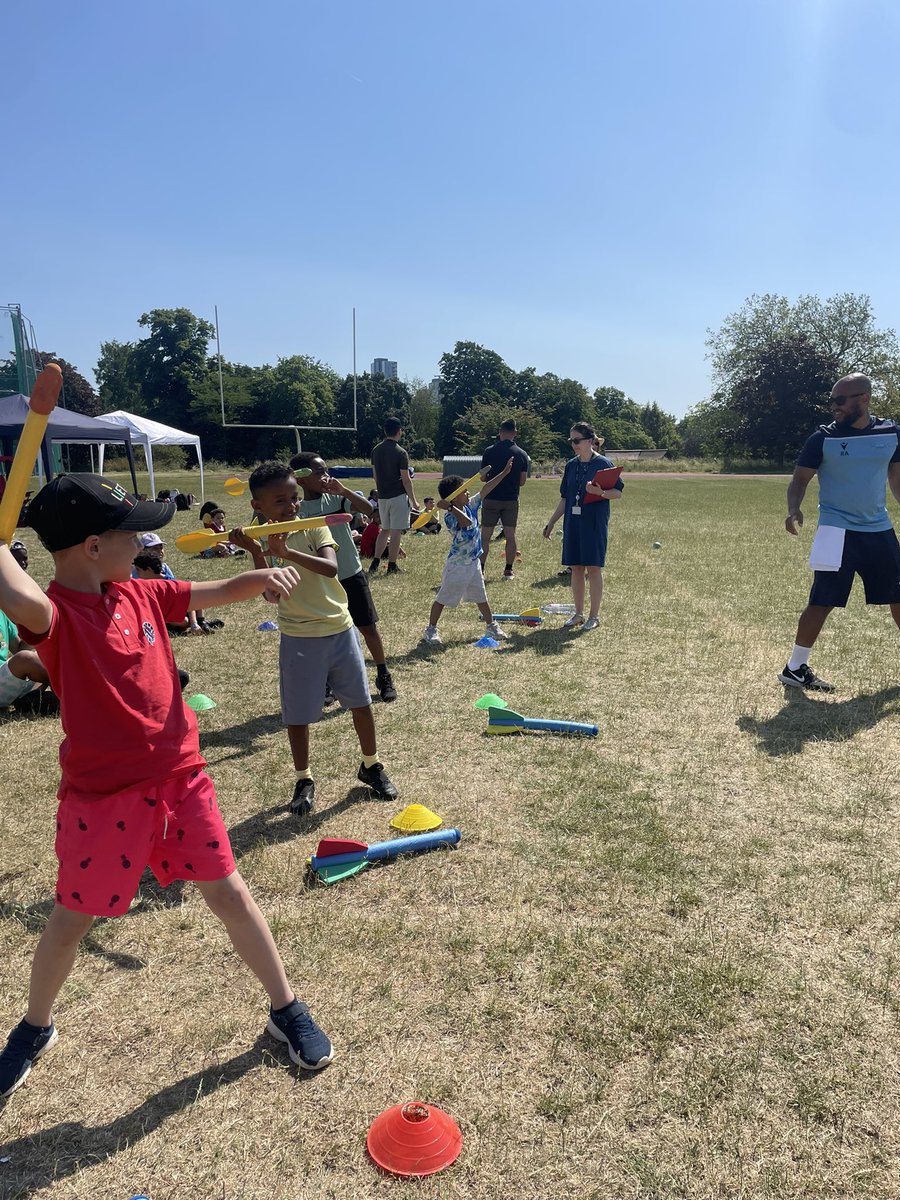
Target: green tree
116	383
660	428
772	410
477	427
77	393
424	411
562	402
842	327
467	374
170	363
376	399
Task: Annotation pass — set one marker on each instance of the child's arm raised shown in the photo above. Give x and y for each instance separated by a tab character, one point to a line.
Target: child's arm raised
20	597
323	562
460	515
359	504
488	487
273	583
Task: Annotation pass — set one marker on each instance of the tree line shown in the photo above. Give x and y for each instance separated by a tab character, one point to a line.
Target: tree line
773	363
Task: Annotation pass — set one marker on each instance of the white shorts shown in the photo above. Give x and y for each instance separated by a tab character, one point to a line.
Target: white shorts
13	688
461	581
394	513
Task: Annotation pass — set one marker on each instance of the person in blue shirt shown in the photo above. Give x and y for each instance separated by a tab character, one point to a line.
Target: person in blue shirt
585	526
855	457
463	578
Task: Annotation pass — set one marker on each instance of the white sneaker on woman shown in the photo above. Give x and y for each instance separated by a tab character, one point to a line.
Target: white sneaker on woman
591	623
573	621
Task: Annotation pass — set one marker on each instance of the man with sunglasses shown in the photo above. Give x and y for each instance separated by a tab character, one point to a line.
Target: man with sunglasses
855	457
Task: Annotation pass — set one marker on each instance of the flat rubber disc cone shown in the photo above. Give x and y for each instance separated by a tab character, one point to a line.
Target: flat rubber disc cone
487	643
416	818
490	701
200	703
414	1139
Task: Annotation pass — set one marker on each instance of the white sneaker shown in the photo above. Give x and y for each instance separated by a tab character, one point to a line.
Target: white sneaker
495	631
573	621
431	636
591	623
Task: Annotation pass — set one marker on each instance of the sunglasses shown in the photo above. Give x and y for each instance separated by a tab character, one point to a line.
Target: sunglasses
839	400
575	441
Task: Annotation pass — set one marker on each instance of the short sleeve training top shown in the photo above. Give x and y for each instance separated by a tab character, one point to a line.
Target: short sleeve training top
852	466
110	661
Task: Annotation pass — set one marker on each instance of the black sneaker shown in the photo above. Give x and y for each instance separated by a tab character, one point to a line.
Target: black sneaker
376	778
385	685
307	1045
330	697
373	567
303	797
217	623
25	1046
803	677
393	569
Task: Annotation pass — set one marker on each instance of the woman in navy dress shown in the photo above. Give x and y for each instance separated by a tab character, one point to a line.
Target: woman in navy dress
585	526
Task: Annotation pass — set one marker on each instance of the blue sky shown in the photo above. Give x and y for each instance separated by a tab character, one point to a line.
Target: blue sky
584	187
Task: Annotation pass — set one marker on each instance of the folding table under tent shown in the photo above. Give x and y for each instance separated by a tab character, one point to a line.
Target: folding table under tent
62	426
147	434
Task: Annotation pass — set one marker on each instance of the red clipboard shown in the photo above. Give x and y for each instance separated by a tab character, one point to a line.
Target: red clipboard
605	479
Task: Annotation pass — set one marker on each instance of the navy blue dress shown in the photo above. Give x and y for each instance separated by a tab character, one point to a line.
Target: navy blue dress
584	535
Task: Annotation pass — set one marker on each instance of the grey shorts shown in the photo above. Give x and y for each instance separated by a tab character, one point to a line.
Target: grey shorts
307	664
504	511
394	513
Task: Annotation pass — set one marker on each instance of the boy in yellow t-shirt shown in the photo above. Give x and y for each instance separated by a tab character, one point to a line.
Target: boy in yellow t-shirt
318	642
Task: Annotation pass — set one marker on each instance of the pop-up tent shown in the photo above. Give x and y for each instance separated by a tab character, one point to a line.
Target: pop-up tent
147	434
62	426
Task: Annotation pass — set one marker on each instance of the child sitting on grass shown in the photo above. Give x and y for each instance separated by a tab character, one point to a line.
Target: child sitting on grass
213	517
318	642
433	525
134	789
463	578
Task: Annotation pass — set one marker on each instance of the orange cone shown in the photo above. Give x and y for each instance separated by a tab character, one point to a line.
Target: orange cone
414	1139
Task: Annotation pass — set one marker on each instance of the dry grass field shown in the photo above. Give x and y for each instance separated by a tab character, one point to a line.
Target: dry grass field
661	963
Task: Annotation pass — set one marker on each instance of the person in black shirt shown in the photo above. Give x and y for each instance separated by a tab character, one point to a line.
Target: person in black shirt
503	505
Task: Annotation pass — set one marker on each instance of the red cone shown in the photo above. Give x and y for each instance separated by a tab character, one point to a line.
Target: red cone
414	1139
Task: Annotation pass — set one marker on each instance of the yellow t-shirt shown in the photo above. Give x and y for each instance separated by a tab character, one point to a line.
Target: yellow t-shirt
317	607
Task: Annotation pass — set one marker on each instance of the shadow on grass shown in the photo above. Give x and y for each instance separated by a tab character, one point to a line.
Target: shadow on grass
804	720
65	1149
33	918
554	581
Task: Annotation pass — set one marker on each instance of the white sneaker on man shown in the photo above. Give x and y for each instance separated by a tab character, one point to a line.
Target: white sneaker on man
431	636
494	631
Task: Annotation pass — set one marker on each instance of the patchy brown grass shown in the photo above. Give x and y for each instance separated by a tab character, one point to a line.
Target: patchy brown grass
661	963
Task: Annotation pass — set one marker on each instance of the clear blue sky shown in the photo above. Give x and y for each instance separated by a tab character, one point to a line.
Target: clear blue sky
582	186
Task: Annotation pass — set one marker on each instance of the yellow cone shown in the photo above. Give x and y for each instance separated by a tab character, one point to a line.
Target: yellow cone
415	818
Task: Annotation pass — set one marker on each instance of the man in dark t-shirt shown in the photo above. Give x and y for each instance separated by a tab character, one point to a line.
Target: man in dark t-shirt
503	505
390	464
856	456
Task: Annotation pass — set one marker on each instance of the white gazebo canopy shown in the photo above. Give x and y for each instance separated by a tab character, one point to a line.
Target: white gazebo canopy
147	434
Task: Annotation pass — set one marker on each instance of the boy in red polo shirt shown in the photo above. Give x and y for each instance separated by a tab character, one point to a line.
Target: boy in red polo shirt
139	794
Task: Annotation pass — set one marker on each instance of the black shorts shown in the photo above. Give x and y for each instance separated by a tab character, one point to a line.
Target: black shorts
875	558
359	600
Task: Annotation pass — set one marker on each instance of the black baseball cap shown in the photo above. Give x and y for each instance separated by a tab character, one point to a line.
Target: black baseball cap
72	508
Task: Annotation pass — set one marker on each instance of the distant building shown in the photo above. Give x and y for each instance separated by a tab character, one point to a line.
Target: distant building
385	367
435	387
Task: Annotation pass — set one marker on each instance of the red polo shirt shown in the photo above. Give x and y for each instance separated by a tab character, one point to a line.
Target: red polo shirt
110	662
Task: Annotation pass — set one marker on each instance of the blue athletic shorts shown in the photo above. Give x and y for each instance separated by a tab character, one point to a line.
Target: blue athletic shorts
875	558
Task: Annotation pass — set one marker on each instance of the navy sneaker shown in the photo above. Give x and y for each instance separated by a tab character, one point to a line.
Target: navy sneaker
803	677
307	1045
376	778
385	684
25	1046
303	797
